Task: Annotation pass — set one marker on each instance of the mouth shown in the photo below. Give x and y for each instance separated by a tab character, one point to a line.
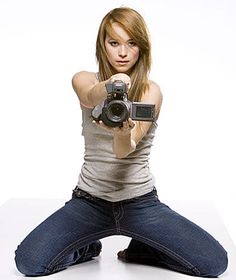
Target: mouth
122	62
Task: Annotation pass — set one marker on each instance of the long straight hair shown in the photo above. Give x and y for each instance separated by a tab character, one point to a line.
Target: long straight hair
133	23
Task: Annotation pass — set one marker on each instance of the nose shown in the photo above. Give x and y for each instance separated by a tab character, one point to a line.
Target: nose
122	51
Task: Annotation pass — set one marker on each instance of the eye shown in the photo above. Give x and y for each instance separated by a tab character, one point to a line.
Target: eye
132	44
114	43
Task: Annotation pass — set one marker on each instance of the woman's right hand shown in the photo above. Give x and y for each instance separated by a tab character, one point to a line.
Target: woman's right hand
121	77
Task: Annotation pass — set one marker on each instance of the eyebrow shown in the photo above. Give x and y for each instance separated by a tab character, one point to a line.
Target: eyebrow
108	37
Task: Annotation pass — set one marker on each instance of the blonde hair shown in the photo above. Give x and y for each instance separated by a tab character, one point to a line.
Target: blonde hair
133	23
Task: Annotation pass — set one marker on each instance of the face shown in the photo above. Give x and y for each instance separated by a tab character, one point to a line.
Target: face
122	53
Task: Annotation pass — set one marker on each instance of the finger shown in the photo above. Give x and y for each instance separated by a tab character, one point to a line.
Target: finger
102	125
131	123
126	125
128	84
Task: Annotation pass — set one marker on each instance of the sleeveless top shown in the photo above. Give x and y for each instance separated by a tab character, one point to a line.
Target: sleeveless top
107	177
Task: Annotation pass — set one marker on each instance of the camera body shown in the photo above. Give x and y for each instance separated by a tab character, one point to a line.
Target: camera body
117	108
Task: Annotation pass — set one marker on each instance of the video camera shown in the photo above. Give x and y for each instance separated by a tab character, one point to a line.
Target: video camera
117	108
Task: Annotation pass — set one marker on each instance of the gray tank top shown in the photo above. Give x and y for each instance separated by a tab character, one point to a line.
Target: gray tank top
107	177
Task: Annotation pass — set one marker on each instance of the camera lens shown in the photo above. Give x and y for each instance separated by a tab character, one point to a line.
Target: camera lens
117	111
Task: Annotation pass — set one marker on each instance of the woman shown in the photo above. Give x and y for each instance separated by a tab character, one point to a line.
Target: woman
115	193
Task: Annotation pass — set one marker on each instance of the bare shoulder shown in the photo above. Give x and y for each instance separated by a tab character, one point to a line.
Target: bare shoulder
154	88
153	96
84	78
153	93
82	83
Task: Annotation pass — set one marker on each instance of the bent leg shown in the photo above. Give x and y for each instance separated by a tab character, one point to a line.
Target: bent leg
163	237
66	237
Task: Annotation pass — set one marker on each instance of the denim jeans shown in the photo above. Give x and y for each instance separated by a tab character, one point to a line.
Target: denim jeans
160	237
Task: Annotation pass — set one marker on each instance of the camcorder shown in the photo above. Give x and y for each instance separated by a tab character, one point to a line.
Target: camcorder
117	109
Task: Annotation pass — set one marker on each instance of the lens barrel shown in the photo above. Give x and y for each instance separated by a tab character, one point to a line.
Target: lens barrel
117	111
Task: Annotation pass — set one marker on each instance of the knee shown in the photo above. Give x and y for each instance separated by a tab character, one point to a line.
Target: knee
215	265
27	263
220	265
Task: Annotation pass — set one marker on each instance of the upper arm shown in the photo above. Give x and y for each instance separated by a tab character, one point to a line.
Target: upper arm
82	83
153	96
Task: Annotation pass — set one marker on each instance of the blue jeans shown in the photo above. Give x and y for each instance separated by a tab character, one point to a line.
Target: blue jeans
160	237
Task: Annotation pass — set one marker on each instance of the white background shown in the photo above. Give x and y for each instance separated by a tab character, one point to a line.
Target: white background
44	42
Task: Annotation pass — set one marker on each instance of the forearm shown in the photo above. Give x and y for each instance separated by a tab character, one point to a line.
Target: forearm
97	94
123	145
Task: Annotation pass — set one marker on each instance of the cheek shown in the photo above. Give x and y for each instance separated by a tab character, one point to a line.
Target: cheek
108	50
110	54
135	56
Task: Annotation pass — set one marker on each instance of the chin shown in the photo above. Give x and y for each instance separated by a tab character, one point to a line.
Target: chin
122	69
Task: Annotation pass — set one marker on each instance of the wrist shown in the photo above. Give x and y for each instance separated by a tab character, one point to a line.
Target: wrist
120	134
123	145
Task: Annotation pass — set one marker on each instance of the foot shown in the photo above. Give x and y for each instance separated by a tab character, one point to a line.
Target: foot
122	255
95	248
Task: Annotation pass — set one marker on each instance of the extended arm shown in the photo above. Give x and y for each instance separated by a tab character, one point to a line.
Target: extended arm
90	91
126	138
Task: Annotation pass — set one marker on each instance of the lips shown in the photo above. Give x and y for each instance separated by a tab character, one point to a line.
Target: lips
122	62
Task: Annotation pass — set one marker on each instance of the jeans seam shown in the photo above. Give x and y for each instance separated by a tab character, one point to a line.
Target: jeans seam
164	249
179	268
55	263
119	216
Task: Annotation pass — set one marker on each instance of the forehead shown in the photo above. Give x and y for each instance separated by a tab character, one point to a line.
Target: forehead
115	31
